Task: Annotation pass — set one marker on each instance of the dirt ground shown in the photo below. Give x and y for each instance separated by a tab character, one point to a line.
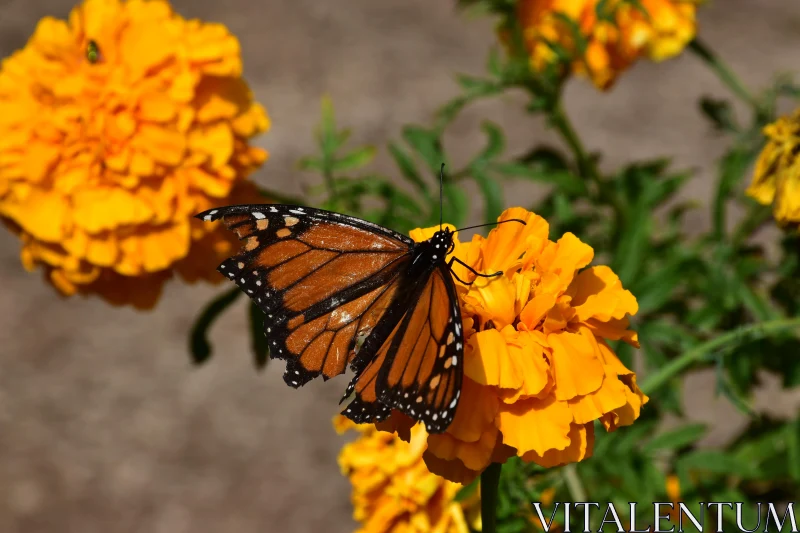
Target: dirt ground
104	424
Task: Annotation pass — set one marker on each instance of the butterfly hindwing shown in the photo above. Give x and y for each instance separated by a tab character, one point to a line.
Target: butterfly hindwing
419	367
423	378
322	280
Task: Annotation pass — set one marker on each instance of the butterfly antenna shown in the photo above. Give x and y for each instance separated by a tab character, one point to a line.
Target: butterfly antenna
441	195
494	224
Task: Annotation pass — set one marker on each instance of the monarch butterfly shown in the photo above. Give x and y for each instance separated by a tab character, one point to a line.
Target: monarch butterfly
337	291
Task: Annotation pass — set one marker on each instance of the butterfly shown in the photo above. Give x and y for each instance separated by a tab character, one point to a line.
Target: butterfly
339	291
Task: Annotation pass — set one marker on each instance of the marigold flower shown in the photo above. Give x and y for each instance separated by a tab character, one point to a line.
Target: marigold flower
776	179
655	29
393	490
538	370
115	127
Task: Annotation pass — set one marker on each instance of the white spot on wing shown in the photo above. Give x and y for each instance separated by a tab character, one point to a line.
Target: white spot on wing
258	215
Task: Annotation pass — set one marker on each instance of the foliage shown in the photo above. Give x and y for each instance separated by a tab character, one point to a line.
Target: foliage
720	299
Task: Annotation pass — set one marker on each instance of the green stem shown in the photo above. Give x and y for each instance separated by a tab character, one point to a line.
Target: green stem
490	480
727	340
574	484
725	74
559	119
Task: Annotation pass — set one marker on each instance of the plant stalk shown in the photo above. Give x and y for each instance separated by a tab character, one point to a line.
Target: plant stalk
726	340
490	481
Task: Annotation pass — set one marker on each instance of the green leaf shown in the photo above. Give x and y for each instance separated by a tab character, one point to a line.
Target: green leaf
474	85
260	345
574	29
456	204
494	63
355	159
713	461
426	144
546	158
199	346
329	139
495	143
311	164
720	113
467	490
408	168
793	448
731	170
633	243
492	194
677	438
564	180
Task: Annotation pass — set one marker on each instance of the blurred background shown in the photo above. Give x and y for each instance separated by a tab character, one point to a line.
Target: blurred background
104	423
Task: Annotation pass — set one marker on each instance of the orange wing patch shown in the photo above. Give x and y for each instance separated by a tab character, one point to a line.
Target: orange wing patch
326	344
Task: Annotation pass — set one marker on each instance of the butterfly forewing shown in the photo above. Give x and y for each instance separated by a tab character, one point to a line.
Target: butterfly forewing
322	279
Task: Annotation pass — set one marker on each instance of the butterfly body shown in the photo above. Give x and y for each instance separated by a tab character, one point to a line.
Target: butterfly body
327	282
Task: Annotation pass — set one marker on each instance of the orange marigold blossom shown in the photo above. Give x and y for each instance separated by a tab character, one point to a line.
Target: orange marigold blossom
116	126
776	179
538	370
393	490
655	29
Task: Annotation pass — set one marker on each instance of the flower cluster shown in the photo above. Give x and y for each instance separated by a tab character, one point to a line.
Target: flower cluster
115	127
613	34
538	369
776	179
393	490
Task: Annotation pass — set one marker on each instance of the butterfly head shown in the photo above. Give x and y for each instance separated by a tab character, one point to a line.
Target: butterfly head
443	240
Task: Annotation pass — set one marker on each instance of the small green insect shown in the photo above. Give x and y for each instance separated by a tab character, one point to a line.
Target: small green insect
92	52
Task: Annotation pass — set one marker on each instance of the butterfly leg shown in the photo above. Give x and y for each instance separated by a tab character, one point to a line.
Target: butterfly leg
459	261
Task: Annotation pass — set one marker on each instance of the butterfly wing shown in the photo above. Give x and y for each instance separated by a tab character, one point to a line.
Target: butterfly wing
322	280
419	368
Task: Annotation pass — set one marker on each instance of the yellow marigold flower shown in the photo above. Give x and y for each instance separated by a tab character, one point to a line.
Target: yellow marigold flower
538	370
393	490
613	42
776	179
115	127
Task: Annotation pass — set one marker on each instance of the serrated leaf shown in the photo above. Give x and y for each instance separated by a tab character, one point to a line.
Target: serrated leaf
199	346
426	144
408	169
564	181
355	159
731	170
259	342
676	438
492	194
